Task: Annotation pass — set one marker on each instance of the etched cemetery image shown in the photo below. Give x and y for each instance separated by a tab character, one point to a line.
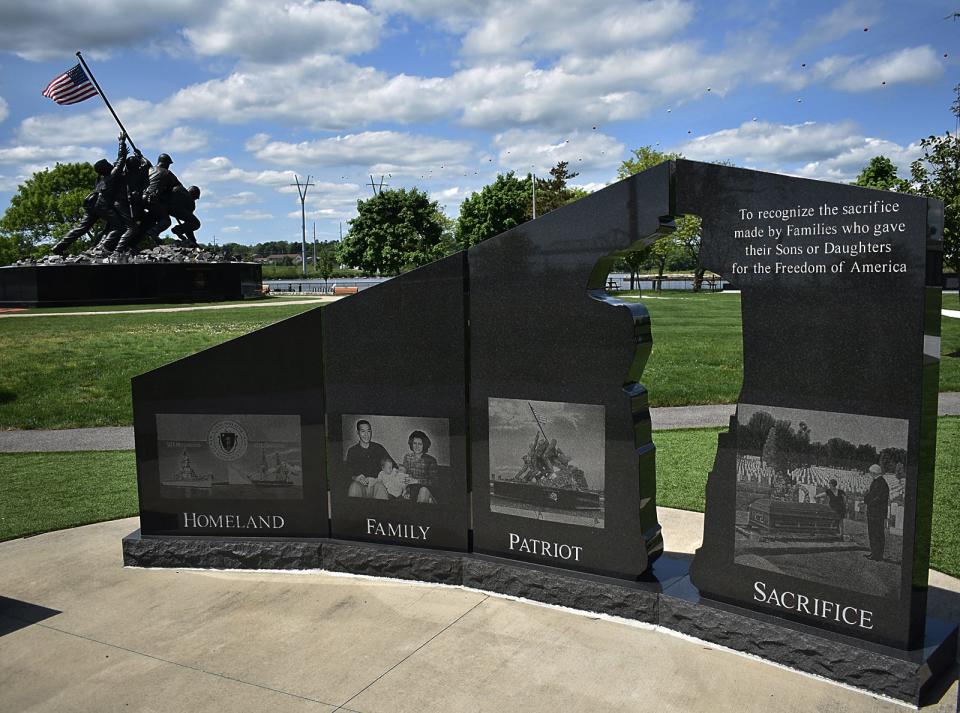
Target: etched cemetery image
229	456
403	459
820	496
547	460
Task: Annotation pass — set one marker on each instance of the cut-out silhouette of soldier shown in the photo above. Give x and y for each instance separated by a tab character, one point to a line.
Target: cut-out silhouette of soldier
183	202
99	204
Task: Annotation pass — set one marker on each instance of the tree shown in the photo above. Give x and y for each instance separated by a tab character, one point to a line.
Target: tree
394	230
553	192
686	236
881	173
326	260
496	208
937	174
44	208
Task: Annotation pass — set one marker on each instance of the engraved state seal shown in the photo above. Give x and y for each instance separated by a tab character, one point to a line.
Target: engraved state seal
227	440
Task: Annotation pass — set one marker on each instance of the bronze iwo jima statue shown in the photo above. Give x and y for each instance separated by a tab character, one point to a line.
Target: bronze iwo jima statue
547	478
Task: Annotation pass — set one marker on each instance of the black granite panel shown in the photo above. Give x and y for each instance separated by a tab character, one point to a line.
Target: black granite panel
554	357
230	441
833	302
395	367
63	285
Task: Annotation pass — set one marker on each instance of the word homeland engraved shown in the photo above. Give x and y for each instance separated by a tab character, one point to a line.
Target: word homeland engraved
227	440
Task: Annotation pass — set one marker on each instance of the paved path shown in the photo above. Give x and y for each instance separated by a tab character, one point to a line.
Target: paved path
193	308
79	632
120	438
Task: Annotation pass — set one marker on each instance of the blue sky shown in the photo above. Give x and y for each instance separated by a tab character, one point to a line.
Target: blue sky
444	94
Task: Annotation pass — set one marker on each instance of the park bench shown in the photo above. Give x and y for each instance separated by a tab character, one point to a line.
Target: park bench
345	290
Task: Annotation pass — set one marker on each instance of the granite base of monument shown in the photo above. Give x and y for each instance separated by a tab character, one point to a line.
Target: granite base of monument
81	284
664	597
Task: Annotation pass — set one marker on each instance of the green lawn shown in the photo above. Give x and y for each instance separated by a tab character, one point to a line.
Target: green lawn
71	372
51	491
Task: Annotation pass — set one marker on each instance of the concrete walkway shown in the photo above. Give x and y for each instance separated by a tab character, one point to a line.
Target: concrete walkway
120	438
79	632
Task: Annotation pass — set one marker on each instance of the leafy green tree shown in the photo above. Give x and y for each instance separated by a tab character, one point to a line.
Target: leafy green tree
686	236
937	174
43	209
494	209
881	173
553	192
395	230
326	260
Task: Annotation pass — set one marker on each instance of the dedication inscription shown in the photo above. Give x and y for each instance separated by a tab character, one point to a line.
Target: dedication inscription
819	502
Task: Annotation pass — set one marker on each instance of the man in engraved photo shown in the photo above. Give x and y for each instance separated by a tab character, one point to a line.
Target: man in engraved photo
363	464
877	499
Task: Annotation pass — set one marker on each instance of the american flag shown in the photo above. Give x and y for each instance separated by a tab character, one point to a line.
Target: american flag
70	87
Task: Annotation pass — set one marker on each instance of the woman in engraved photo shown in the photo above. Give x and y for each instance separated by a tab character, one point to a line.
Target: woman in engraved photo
421	467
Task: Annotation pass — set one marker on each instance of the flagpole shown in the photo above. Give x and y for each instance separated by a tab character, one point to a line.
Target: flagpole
105	100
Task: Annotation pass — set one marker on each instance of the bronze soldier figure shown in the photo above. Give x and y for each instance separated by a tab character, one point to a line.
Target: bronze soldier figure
182	205
99	204
160	183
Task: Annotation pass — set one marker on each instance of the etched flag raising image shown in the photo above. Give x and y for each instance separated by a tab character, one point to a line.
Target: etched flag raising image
71	87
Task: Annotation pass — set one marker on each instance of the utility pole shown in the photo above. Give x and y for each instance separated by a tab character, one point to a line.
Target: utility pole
314	246
377	189
534	194
302	192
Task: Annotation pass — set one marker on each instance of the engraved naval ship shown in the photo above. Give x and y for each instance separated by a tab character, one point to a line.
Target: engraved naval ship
187	477
272	476
547	478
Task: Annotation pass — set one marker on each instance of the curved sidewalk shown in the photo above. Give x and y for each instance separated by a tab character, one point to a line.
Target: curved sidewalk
120	438
80	632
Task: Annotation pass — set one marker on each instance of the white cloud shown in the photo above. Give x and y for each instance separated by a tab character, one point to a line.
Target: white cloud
910	65
183	138
4	109
219	169
846	165
832	152
275	32
539	151
572	27
44	30
760	142
249	215
41	156
236	199
386	152
230	229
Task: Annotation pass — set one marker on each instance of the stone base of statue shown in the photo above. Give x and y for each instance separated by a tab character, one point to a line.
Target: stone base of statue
161	275
664	598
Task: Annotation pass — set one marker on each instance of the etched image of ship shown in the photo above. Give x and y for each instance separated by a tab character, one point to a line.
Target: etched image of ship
547	478
276	475
187	477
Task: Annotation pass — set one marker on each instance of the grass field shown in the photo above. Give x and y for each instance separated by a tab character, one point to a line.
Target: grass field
72	372
51	491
